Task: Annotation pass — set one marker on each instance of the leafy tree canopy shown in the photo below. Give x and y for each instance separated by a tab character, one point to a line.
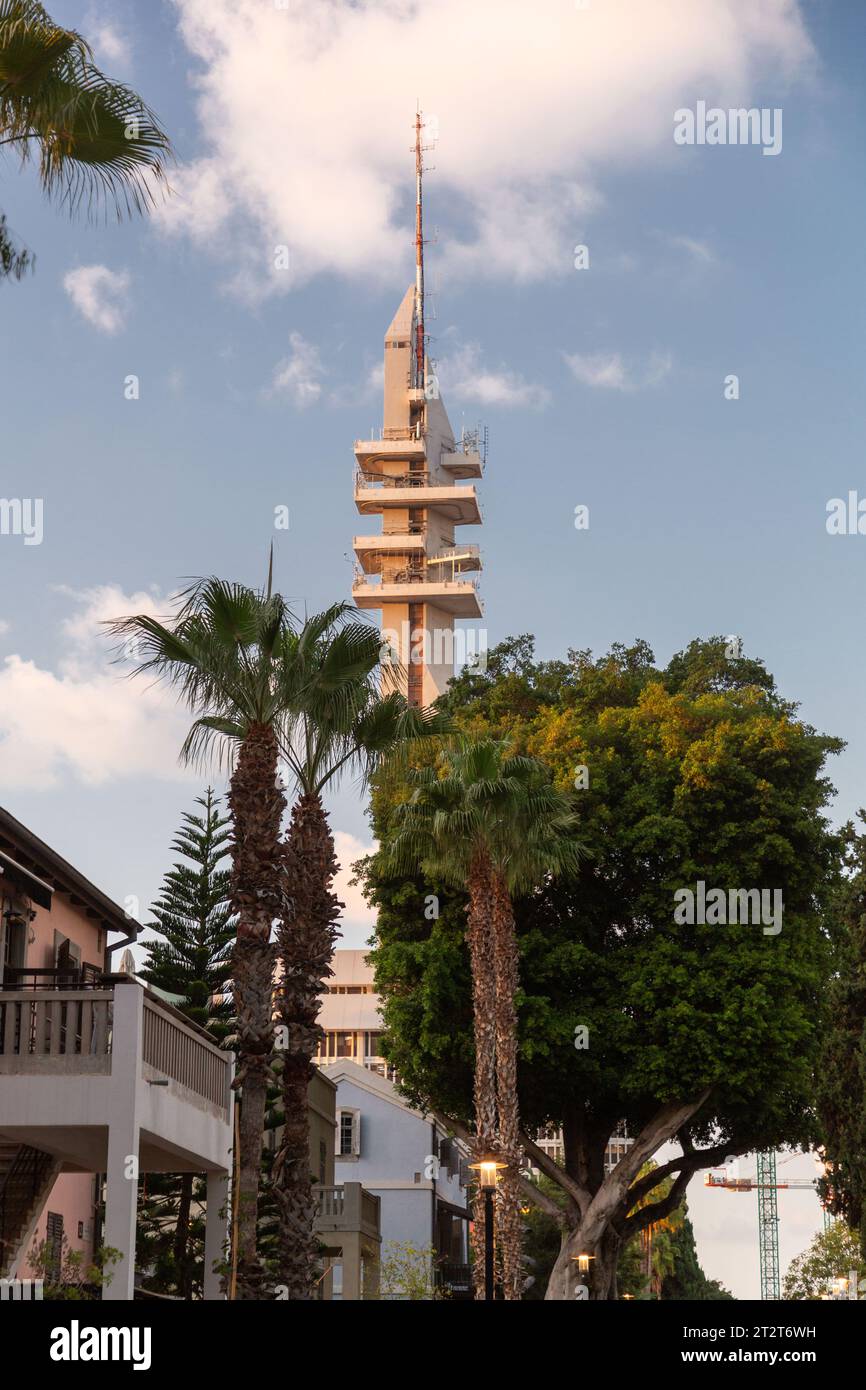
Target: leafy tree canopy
842	1074
699	771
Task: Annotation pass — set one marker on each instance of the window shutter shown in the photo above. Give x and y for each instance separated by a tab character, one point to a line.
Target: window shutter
356	1133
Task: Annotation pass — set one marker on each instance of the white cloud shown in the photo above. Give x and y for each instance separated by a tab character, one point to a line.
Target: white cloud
112	48
610	372
85	720
305	113
358	912
99	294
700	251
464	376
298	376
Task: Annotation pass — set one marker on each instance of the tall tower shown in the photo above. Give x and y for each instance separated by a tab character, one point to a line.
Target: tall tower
419	481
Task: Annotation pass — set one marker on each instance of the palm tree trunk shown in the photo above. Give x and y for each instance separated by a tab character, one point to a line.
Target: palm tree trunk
480	941
257	806
305	938
505	959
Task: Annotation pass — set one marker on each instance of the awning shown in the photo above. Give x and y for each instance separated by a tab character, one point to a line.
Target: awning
36	888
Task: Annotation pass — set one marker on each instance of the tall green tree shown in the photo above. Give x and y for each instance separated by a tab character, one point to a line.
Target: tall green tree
493	822
190	959
228	651
842	1073
339	719
831	1257
95	142
706	1035
192	920
686	1281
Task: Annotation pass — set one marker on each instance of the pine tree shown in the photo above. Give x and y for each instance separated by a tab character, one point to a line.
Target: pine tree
190	961
192	917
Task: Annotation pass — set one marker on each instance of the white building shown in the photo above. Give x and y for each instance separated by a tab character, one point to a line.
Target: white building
350	1015
410	1163
406	1159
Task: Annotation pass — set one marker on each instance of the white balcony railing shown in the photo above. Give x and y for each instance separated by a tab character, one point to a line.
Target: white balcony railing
70	1032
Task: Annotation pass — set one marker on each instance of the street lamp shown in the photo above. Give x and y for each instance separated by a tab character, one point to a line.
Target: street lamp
488	1167
582	1262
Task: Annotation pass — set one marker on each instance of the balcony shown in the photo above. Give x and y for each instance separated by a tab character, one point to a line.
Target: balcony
401	558
92	1077
397	447
375	493
347	1224
462	465
456	596
372	550
455	1279
347	1207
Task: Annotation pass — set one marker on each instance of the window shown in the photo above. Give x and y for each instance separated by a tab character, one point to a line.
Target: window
54	1240
344	1045
323	1161
348	1133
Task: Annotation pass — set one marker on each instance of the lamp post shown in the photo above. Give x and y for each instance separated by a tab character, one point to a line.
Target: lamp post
488	1168
582	1262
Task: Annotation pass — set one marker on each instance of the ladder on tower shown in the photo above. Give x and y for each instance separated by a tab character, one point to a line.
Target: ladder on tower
768	1227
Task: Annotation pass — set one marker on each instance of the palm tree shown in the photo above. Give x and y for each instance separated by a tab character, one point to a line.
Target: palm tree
338	720
229	652
96	141
491	822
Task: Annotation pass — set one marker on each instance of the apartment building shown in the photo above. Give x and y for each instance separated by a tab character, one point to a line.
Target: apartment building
100	1079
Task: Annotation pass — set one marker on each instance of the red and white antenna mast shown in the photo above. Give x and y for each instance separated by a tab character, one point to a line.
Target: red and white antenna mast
420	339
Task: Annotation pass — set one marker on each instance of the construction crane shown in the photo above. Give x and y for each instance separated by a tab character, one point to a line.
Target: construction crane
766	1183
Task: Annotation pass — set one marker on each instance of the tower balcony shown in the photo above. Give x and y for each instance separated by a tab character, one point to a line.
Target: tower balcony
456	596
397	446
375	494
371	551
462	465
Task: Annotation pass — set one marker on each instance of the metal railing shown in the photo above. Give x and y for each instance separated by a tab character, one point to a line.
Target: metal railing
418	477
37	1026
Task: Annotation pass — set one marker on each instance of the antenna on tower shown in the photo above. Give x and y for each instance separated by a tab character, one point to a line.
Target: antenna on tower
420	339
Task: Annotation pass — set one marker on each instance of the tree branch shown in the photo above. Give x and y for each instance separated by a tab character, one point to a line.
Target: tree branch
691	1161
657	1211
546	1165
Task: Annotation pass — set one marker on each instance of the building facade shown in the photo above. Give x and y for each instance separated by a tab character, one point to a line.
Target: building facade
416	1170
100	1079
408	1160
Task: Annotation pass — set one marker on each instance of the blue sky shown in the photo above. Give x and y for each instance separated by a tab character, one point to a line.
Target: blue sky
602	387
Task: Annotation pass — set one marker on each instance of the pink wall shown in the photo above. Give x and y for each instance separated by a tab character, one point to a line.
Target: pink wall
72	1198
71	922
72	1194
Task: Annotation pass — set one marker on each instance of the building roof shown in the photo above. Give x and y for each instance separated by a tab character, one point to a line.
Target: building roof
351	1013
351	968
37	858
371	1081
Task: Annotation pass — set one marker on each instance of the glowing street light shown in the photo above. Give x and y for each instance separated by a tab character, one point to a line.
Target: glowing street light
488	1167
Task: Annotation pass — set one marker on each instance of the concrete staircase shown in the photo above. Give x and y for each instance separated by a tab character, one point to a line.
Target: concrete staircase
26	1178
